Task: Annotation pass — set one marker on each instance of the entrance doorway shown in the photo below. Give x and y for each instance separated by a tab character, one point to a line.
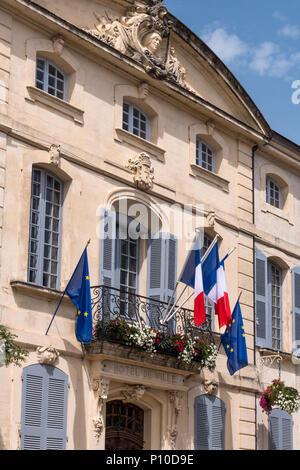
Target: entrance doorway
124	426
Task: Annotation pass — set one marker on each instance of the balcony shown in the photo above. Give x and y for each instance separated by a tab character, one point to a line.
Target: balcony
128	326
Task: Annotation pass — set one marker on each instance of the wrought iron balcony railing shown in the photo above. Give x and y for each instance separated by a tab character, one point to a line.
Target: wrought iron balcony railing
110	304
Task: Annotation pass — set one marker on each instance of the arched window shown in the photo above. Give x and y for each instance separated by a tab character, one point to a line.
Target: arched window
45	228
280	430
205	155
124	426
44	408
209	423
273	195
50	78
135	121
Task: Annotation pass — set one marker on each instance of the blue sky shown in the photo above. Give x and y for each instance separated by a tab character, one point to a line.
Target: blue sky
259	41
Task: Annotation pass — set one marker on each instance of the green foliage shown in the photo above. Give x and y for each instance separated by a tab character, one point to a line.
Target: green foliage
14	354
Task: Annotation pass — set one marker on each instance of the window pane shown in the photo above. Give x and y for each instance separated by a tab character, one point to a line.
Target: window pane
44	230
52	70
135	121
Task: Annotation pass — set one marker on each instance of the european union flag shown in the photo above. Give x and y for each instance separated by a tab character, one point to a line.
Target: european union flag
78	289
234	342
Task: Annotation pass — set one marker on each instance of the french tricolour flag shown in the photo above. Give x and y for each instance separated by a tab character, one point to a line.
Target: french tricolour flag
214	283
192	276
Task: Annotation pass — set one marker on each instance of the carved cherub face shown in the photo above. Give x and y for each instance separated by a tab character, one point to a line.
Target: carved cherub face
152	41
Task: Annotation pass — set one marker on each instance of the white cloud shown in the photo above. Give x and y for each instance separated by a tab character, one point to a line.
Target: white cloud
290	31
269	60
279	16
265	59
227	46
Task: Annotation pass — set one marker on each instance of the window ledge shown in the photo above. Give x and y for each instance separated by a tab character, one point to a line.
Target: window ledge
34	290
35	94
140	144
268	209
210	177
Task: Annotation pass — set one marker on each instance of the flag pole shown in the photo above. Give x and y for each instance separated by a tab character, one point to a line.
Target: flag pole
167	312
63	294
171	315
203	259
165	320
168	317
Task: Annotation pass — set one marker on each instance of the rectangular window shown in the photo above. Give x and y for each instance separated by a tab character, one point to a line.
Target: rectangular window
45	229
135	121
50	78
275	294
273	194
204	155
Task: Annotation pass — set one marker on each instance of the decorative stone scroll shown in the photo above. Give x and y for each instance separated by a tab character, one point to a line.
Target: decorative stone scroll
143	173
175	398
140	35
101	387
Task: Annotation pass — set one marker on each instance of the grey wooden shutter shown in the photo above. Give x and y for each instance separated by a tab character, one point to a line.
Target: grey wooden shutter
44	408
156	278
171	274
107	248
280	430
296	310
209	423
261	299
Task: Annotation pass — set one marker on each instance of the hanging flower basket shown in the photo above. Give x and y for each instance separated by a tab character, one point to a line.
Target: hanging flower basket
278	395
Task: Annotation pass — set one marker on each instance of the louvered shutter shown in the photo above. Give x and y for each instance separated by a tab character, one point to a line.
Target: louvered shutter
280	430
107	247
296	310
261	299
108	278
33	408
44	408
202	423
57	390
209	423
217	424
156	278
171	274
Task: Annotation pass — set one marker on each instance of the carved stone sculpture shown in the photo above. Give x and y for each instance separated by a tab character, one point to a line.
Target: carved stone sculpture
47	355
173	433
175	398
133	392
143	173
211	218
140	34
54	154
211	387
101	387
58	44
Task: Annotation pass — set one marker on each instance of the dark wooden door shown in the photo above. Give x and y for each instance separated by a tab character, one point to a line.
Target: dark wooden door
124	426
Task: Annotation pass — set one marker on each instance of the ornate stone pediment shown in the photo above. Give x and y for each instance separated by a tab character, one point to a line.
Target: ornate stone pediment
140	34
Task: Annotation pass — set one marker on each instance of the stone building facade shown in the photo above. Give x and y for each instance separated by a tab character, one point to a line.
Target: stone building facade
103	102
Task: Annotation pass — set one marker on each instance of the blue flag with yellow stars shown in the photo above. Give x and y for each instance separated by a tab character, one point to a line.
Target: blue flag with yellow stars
79	291
234	342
